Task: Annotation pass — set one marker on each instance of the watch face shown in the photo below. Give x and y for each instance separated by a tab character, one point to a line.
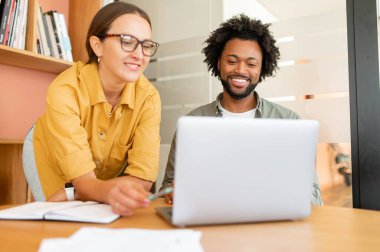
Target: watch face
68	185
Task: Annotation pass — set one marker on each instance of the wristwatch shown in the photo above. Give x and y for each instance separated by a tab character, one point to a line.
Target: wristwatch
69	189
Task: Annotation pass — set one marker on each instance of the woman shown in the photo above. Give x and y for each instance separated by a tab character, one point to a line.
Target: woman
100	116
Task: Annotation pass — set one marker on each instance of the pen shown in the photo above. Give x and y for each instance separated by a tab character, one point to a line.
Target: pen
167	190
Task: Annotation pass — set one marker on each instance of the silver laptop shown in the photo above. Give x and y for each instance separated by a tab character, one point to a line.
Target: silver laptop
242	170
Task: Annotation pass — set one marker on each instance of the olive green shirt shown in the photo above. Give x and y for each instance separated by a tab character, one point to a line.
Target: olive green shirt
264	109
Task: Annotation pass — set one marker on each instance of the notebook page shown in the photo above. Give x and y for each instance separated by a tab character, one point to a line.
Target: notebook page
35	210
95	213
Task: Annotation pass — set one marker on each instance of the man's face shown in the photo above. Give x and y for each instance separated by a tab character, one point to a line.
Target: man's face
240	67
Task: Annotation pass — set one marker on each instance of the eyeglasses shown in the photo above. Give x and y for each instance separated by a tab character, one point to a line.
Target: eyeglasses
129	43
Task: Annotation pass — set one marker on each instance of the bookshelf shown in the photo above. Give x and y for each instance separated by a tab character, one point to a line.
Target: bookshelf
12	181
30	60
79	21
27	58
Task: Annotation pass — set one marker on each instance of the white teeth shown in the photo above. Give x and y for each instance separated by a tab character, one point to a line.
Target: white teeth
239	80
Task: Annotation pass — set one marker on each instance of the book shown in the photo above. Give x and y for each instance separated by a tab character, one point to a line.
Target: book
9	21
51	34
77	211
16	34
58	28
12	22
57	33
21	34
5	9
41	28
13	32
47	35
65	38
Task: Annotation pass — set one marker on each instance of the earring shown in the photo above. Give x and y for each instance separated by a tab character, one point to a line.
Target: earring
98	59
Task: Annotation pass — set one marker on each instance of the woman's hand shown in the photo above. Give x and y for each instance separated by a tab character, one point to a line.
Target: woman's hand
126	196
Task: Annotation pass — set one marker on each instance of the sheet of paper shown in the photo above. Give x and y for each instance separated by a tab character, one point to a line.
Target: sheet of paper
106	239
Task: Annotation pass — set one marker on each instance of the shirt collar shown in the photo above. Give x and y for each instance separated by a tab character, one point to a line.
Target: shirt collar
258	107
90	74
128	95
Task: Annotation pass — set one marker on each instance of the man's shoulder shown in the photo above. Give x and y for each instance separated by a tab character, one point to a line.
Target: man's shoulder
204	110
272	110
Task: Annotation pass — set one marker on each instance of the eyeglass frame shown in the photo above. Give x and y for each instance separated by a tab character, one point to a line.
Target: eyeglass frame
139	42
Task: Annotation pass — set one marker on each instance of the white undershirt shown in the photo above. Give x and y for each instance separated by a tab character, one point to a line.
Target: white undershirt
227	114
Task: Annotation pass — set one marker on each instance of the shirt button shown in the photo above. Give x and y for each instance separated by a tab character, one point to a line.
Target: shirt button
102	135
110	114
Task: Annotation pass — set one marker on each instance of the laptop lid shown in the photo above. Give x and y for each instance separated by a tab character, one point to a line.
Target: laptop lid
231	170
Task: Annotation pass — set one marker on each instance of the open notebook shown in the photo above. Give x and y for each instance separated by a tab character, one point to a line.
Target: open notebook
242	170
78	211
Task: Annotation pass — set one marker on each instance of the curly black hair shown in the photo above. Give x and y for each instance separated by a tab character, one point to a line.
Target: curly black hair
245	28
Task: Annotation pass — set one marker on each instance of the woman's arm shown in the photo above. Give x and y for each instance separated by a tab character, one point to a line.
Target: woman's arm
124	194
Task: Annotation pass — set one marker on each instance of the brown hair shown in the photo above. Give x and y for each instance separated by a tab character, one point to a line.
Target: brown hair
103	20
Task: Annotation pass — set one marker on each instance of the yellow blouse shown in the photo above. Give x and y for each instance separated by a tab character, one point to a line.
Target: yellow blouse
79	133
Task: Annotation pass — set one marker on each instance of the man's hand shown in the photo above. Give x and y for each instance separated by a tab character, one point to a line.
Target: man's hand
169	197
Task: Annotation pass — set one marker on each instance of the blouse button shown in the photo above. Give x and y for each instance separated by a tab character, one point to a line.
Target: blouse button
102	135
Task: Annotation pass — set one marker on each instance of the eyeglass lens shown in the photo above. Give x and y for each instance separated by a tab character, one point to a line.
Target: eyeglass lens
130	43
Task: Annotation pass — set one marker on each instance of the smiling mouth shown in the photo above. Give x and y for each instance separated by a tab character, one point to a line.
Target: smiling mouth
133	66
239	79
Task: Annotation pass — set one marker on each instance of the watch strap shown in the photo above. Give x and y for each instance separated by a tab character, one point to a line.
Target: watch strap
70	191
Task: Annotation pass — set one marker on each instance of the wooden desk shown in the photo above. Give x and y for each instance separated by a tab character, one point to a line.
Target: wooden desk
327	229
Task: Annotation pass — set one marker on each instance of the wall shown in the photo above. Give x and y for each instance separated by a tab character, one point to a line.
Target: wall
177	70
22	99
316	81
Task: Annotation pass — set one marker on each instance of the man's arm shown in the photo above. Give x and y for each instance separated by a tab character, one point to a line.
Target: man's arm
169	172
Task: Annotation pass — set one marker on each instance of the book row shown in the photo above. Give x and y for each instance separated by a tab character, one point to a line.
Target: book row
13	20
52	37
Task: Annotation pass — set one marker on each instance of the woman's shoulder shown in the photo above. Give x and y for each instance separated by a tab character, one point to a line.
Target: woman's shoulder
69	84
68	77
144	85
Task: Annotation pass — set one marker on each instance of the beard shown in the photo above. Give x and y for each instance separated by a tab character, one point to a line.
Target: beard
238	96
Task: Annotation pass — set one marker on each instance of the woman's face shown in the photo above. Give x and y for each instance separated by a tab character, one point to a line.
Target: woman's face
116	64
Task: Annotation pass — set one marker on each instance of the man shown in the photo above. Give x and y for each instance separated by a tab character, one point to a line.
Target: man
241	53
